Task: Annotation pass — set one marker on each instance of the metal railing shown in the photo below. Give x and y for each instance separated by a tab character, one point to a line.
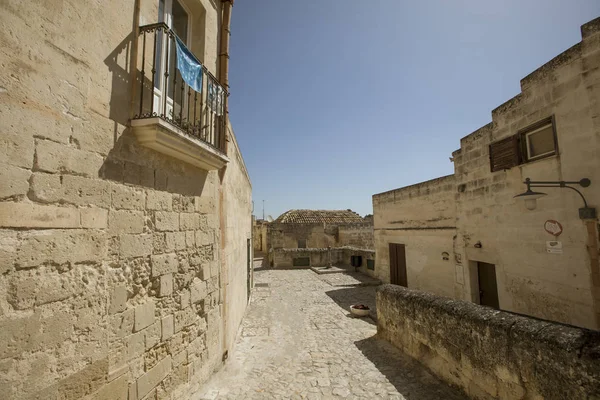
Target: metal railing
164	94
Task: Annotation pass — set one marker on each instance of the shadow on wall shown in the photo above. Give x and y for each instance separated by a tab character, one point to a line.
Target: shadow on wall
408	376
127	162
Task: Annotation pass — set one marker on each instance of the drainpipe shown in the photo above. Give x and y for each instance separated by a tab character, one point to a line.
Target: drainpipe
224	81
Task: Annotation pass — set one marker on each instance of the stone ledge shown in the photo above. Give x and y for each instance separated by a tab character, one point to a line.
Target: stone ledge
165	138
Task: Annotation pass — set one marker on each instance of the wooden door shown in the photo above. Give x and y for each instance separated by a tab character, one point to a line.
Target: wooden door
488	288
398	265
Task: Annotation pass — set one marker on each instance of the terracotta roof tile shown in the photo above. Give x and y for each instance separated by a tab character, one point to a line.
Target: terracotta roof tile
319	216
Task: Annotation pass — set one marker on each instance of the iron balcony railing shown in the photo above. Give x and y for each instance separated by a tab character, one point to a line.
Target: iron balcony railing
164	94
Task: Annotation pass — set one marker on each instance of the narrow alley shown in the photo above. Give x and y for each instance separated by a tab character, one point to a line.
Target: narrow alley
299	341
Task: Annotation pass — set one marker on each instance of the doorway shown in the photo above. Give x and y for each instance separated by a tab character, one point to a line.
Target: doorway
176	16
488	288
398	264
249	268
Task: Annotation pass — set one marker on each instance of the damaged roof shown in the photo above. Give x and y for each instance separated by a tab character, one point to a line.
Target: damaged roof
319	216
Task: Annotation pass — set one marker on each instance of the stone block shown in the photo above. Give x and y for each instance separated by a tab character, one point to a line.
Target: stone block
189	221
46	188
152	335
94	218
135	344
125	221
204	271
144	316
183	204
205	204
184	298
21	293
179	358
196	347
160	201
175	241
214	268
127	198
84	382
212	284
135	245
167	327
70	189
166	221
56	328
198	291
9	245
118	300
17	335
190	239
184	318
16	150
15	181
122	324
59	158
164	264
29	215
203	238
132	395
51	289
165	285
159	243
59	247
115	390
83	191
153	377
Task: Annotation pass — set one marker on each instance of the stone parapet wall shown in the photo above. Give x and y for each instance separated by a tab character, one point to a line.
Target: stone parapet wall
490	354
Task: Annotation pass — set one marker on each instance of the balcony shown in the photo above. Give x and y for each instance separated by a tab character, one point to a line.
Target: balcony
170	116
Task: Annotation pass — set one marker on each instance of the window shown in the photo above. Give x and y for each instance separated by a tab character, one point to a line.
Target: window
540	142
301	243
371	265
532	143
174	14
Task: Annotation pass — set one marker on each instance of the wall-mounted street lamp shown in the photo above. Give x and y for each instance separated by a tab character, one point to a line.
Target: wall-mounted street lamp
531	197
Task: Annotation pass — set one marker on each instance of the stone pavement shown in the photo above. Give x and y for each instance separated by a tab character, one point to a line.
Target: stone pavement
298	341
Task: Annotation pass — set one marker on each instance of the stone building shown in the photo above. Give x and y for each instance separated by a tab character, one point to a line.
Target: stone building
259	235
125	204
466	236
302	237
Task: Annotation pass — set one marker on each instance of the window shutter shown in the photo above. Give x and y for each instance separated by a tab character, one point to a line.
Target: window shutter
505	154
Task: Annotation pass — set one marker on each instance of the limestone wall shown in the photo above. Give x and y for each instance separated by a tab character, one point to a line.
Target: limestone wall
318	235
118	278
474	217
531	280
320	257
356	235
490	354
259	236
282	235
238	254
422	217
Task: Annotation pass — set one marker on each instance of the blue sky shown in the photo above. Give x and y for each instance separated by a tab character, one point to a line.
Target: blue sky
333	101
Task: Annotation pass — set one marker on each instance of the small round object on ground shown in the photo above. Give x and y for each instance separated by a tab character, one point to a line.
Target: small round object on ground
359	310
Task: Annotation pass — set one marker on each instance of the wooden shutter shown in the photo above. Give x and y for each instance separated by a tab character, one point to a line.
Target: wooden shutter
505	154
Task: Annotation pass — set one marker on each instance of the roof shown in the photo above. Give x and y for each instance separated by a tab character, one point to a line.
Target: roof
319	216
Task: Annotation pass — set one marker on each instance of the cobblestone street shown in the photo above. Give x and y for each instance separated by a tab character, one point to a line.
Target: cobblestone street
298	341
